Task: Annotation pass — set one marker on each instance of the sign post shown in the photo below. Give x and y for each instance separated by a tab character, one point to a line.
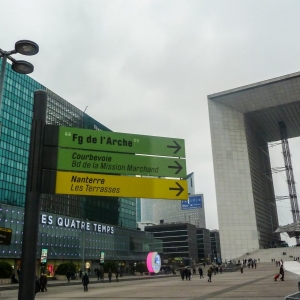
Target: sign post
96	159
32	202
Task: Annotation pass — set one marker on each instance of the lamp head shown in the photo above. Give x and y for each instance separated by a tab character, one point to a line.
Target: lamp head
26	47
22	67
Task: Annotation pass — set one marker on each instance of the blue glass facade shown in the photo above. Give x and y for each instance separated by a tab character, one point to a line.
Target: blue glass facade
16	114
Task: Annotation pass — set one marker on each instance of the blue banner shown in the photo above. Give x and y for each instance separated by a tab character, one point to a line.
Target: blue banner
192	203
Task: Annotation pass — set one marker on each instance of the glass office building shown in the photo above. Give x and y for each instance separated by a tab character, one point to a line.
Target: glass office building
119	213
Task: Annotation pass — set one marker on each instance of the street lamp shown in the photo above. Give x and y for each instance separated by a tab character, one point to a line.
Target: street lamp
24	47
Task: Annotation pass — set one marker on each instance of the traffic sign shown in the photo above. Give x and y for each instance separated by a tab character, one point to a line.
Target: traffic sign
5	236
112	163
74	183
87	139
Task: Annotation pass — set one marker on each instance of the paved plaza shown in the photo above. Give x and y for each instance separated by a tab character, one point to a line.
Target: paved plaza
252	284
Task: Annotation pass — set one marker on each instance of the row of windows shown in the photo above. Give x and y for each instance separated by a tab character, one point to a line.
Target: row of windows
12	171
15	120
12	149
13	164
15	178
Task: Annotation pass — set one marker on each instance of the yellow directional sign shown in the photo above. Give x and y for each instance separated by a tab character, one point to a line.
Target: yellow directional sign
88	184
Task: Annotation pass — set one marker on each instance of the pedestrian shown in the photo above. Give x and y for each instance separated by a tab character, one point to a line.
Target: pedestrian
281	272
209	273
189	274
18	273
43	282
85	282
14	279
117	275
68	276
200	272
214	270
109	275
182	273
101	273
37	285
194	271
242	267
98	273
186	273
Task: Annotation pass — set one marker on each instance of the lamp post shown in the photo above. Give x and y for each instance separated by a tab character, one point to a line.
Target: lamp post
24	47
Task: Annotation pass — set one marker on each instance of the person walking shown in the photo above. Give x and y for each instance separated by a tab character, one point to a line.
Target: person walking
43	282
37	285
85	282
242	268
200	272
189	274
109	275
182	273
68	276
209	273
98	273
281	272
185	273
117	275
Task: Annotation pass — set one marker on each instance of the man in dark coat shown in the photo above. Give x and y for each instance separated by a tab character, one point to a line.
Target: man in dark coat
182	273
68	276
98	273
109	275
200	272
85	282
281	272
37	285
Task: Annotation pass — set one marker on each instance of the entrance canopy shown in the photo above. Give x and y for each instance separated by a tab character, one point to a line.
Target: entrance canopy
292	229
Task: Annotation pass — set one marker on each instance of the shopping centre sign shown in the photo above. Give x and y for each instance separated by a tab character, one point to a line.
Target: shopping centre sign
76	224
99	153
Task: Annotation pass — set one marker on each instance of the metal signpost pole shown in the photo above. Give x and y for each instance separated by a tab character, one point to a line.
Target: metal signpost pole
32	203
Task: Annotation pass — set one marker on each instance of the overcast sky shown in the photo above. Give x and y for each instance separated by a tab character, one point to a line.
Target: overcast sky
146	67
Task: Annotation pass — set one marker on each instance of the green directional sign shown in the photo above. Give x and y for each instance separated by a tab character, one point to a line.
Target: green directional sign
87	139
112	163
